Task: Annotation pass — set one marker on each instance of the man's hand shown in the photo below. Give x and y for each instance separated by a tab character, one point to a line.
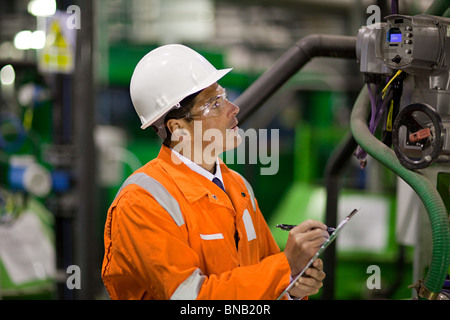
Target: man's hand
311	283
303	243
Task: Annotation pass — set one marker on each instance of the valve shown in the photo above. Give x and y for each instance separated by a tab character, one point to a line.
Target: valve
418	136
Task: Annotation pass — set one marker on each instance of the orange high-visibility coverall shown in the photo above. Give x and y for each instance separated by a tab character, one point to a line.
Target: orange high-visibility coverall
156	250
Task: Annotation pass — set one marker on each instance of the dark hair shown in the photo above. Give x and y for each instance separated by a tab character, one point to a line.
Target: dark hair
186	106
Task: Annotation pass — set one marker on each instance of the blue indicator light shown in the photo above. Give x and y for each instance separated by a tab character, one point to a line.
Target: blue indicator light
395	37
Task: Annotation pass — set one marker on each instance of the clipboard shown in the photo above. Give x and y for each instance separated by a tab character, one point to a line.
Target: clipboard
332	237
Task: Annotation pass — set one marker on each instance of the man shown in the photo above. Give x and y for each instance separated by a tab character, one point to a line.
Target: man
185	226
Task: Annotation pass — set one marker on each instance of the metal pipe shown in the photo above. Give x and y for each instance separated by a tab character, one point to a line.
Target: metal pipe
315	45
333	172
84	115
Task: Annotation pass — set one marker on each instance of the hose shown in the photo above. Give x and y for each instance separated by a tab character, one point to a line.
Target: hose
438	7
446	14
437	213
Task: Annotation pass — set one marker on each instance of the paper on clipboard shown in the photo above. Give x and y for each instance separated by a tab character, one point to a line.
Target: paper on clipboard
332	237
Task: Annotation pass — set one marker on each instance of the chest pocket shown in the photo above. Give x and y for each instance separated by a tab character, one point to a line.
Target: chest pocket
214	236
216	253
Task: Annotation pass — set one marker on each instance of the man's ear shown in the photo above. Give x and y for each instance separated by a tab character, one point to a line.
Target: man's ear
177	130
173	125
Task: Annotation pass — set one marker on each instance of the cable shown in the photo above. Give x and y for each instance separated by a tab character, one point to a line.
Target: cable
378	107
390	81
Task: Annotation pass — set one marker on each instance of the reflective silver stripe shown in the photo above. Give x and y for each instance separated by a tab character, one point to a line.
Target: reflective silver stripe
250	190
248	223
189	288
158	191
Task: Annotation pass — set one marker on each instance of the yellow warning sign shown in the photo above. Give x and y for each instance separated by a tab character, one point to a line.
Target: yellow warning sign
59	51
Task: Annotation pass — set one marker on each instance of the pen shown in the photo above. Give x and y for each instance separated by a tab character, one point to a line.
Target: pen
288	227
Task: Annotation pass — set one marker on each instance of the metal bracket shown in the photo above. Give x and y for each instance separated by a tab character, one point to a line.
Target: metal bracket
424	293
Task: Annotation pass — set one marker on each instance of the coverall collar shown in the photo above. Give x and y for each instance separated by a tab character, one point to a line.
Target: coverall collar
191	184
195	167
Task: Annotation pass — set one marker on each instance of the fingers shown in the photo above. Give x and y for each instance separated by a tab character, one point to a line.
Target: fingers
312	282
308	286
305	287
308	225
310	235
303	243
309	282
316	272
318	264
311	240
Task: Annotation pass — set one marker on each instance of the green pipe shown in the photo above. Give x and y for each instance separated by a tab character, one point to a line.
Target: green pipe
438	7
446	14
427	192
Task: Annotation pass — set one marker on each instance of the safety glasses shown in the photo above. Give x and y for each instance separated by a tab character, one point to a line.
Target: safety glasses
212	108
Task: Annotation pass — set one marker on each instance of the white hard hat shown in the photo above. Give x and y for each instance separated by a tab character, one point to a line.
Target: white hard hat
167	75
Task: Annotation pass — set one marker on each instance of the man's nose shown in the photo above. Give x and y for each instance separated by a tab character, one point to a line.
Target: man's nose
234	109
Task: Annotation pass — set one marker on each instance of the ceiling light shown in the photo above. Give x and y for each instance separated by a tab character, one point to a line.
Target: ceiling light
7	75
37	39
22	40
42	8
26	39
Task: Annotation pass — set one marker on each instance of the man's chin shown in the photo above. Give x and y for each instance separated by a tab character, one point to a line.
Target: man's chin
233	140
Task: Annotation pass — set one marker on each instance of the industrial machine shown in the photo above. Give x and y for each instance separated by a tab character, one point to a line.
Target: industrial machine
415	49
407	60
